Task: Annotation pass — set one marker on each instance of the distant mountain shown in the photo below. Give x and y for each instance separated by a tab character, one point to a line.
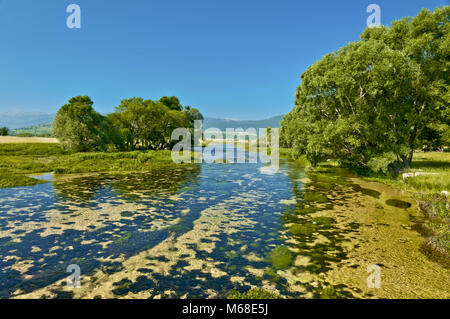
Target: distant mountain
36	130
223	124
41	124
19	119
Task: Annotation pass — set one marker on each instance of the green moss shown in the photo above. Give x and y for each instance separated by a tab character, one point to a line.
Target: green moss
280	257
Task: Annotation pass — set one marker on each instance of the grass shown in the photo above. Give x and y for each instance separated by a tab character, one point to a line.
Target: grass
21	159
31	149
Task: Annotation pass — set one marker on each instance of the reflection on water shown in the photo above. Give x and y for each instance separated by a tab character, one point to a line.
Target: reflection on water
198	231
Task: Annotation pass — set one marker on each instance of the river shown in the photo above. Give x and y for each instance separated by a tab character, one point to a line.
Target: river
202	231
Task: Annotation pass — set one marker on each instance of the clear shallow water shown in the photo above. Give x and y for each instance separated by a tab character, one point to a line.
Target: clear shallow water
195	232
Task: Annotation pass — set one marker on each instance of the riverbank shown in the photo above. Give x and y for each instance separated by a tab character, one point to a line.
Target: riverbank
19	160
426	181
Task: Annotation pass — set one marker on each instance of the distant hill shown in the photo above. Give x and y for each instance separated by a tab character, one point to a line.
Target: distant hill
41	124
223	124
19	119
36	130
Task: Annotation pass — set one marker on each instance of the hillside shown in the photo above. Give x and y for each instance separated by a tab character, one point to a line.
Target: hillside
36	130
13	121
223	124
20	119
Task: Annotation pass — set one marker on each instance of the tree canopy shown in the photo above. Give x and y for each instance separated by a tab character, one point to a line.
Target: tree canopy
80	128
135	124
4	131
375	101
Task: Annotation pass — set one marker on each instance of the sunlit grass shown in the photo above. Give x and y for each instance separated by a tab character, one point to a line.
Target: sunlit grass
19	160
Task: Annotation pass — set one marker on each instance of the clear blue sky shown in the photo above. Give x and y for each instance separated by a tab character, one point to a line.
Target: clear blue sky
229	58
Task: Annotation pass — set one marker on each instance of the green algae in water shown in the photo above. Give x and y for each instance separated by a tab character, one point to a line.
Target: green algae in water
271	275
231	254
303	229
315	197
255	293
126	214
281	257
330	292
123	239
398	203
327	221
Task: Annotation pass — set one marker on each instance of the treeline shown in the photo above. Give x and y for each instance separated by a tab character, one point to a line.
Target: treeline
374	102
136	124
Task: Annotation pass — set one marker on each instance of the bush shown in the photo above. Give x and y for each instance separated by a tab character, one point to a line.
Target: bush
4	131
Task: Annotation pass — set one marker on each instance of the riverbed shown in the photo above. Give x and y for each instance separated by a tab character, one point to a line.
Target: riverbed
205	230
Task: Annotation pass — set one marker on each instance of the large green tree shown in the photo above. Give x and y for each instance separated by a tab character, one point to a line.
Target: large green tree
4	131
369	104
147	124
80	128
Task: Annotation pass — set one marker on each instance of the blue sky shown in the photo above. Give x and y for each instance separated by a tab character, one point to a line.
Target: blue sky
230	58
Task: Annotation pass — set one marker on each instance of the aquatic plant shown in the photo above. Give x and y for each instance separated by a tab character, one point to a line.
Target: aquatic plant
255	293
280	257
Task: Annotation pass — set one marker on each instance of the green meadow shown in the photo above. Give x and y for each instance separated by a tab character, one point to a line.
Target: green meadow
18	161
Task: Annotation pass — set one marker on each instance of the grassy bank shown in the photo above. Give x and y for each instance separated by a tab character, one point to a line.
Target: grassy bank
17	161
428	177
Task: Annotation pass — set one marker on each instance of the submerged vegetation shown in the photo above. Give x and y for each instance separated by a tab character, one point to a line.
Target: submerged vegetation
430	178
253	294
280	257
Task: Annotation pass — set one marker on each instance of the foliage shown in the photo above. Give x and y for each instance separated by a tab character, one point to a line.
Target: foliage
80	128
146	124
41	130
135	124
371	103
4	131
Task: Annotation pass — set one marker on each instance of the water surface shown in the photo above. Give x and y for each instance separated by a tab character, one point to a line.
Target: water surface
202	231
